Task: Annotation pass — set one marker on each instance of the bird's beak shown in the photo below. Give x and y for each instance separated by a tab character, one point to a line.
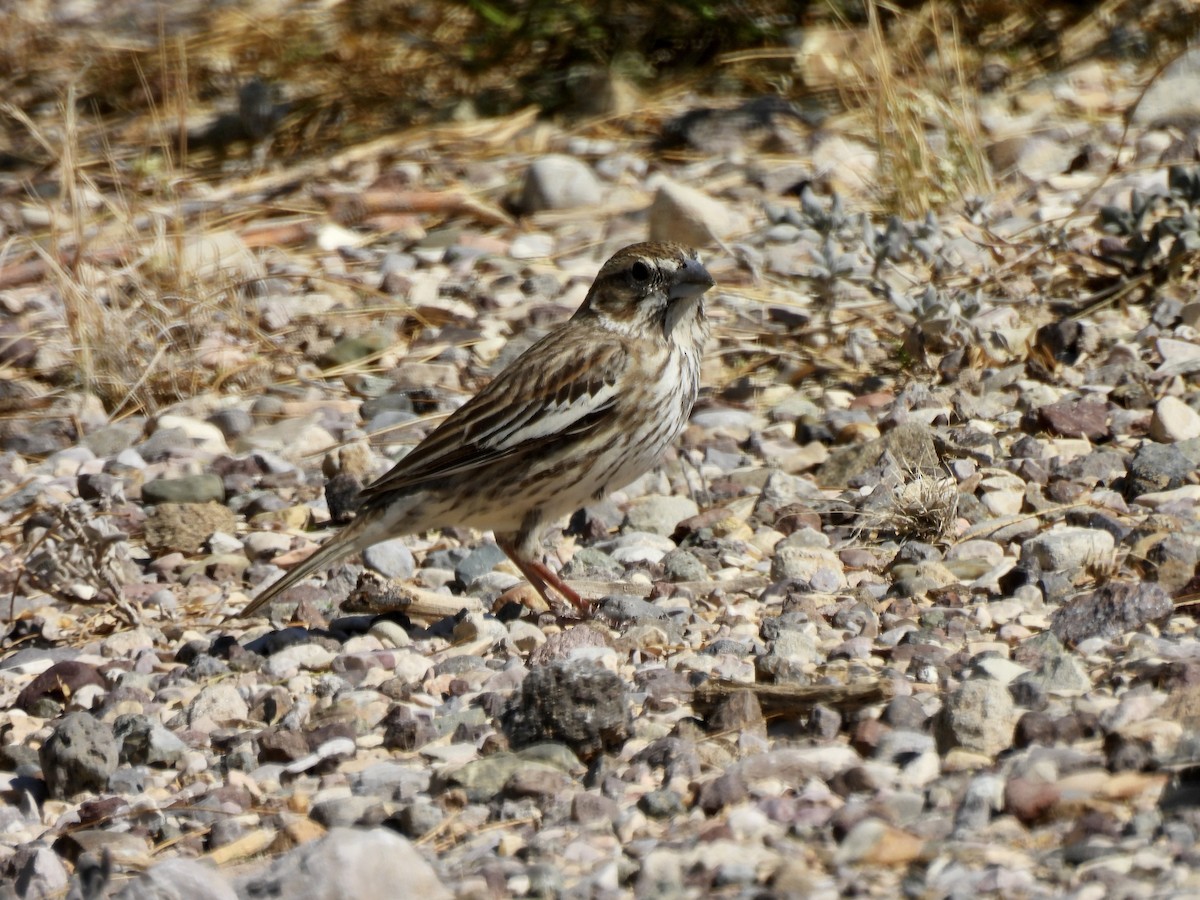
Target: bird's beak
690	281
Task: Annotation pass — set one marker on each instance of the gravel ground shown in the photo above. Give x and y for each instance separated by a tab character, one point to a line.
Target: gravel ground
906	612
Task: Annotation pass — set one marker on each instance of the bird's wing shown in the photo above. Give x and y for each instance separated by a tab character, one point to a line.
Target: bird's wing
558	390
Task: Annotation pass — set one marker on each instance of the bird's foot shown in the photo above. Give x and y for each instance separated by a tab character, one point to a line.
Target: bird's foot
544	579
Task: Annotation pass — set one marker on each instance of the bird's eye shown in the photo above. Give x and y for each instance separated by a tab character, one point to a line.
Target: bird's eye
640	272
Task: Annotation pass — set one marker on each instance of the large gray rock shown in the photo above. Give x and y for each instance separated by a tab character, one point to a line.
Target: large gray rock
583	706
1159	467
179	879
219	702
79	755
349	864
911	445
39	872
1068	549
391	559
980	716
659	514
147	742
1113	609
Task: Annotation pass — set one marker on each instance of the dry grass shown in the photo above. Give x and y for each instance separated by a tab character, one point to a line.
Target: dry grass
923	509
918	73
355	69
913	504
352	70
148	316
906	79
912	81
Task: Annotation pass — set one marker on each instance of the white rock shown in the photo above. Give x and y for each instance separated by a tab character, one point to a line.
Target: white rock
219	253
638	546
848	166
411	666
1003	503
337	747
1069	548
558	181
525	636
659	514
285	662
1173	421
266	544
531	246
1173	92
1039	158
1176	351
976	549
352	862
794	561
219	702
1189	493
690	216
798	646
127	644
181	878
1002	670
206	435
332	236
220	542
390	633
604	657
87	697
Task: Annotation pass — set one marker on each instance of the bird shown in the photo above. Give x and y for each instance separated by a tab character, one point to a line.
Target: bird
582	412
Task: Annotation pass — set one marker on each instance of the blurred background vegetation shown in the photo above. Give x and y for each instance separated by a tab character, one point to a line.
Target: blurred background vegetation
355	68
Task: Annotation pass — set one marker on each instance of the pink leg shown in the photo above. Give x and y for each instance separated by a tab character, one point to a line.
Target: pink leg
565	590
543	578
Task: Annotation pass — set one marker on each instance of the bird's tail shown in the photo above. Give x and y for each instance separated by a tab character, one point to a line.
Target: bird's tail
371	527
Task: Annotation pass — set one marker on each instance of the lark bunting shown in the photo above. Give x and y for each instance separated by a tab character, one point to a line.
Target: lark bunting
582	412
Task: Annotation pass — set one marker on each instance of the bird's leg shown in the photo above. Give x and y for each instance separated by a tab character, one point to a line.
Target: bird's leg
542	577
550	577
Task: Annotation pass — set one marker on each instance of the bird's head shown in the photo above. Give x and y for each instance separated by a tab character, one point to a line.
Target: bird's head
651	288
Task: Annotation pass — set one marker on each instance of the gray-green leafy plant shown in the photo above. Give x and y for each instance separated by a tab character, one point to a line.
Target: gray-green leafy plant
1156	227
